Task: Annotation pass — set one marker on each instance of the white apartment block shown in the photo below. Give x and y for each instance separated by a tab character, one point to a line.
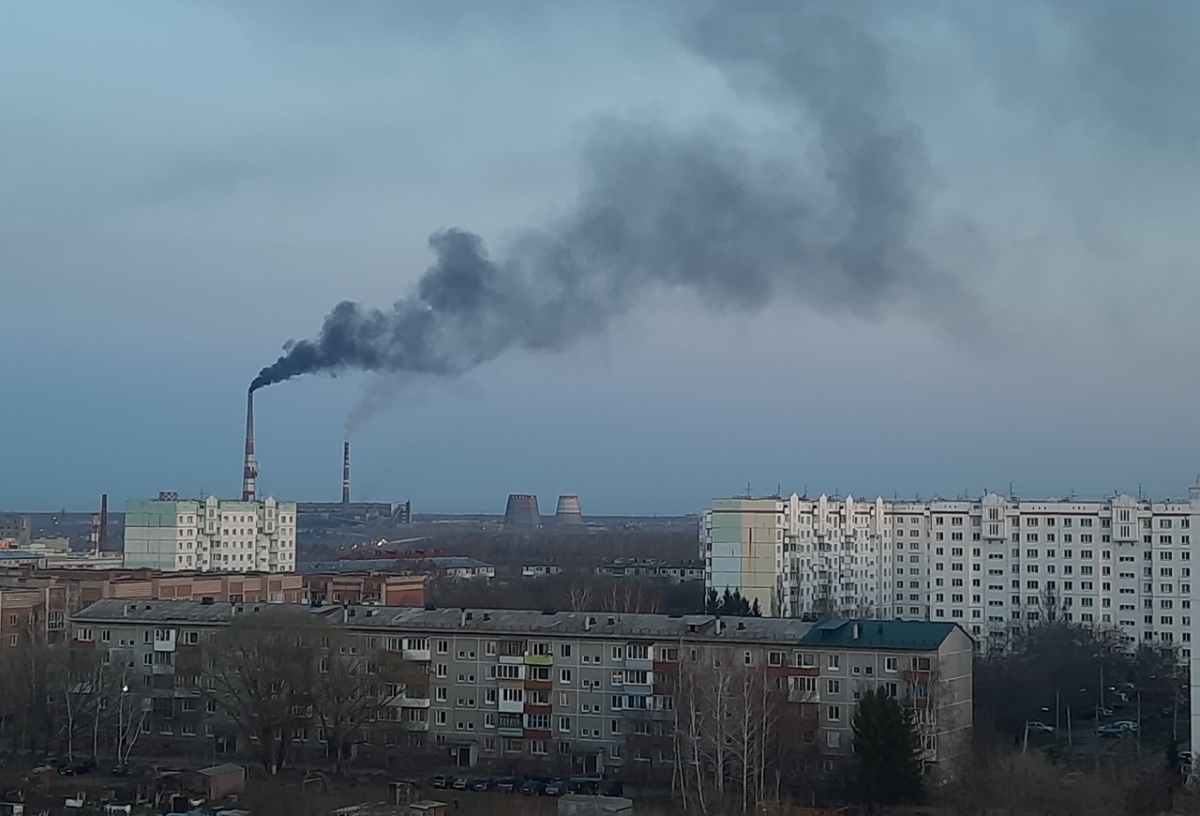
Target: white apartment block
211	536
994	564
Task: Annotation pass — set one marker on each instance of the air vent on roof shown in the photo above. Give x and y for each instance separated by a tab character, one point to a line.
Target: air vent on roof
207	600
487	616
741	625
547	611
429	607
612	621
675	615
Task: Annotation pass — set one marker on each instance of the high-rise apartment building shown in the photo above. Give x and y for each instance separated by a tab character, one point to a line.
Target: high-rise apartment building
211	535
994	564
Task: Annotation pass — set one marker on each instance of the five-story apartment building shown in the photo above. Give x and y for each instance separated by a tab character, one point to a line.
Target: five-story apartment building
589	692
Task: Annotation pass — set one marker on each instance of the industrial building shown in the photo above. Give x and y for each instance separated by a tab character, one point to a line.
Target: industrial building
589	692
14	529
994	564
210	535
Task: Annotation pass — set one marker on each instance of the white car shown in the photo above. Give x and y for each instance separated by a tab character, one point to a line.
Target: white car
1038	727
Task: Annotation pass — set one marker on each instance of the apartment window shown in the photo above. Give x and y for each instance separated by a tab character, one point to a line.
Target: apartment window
443	647
834	686
564	676
833	662
618	653
564	650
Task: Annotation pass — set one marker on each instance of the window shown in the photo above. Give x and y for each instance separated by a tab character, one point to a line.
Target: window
564	650
564	676
833	662
834	713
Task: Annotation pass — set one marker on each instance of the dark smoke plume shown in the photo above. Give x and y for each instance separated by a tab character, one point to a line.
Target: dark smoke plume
826	216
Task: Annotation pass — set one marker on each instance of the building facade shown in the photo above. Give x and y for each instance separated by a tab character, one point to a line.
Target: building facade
211	535
571	691
994	564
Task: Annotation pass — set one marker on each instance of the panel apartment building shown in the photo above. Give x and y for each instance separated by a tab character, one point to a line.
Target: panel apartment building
994	564
211	535
588	692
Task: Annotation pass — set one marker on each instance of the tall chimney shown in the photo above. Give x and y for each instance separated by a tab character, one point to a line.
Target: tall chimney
102	539
250	472
346	472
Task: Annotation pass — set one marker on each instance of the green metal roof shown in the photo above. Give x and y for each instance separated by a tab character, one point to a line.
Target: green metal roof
882	634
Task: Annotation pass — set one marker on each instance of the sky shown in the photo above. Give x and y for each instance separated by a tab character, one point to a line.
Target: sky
646	253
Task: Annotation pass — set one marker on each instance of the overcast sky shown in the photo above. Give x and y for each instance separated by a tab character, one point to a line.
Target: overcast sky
878	248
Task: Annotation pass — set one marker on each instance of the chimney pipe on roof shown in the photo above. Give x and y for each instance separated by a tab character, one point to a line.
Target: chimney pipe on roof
346	472
250	470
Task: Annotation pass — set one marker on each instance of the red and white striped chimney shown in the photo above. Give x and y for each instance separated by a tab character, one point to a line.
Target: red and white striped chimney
250	471
346	472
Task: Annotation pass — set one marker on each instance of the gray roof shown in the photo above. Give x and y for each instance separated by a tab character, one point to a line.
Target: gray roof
515	622
220	770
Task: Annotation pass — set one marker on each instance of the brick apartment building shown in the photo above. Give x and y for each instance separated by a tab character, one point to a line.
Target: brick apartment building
569	691
36	603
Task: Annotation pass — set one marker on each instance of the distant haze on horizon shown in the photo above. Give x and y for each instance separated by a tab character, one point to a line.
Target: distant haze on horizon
925	248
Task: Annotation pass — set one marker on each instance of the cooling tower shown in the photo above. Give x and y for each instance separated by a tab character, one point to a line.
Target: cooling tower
522	511
568	511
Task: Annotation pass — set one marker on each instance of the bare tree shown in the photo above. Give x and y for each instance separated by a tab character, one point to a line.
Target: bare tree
33	681
351	690
259	672
725	736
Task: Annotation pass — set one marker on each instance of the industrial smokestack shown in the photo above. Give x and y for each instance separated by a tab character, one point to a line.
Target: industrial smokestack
250	472
346	472
102	538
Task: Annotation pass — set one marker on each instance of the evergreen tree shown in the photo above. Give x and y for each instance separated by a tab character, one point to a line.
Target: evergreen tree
712	604
887	746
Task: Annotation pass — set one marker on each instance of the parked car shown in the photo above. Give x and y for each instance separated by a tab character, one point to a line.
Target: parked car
1038	727
441	781
533	787
588	784
482	783
121	770
77	767
1117	729
507	784
1104	712
555	787
460	783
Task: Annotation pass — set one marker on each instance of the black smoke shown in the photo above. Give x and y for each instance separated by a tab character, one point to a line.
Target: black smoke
825	214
